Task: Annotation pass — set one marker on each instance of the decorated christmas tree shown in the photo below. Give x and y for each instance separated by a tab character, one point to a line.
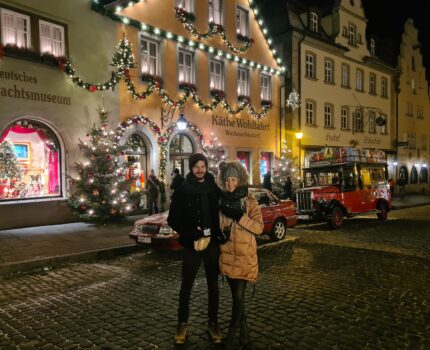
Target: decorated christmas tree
100	191
214	152
286	166
9	168
123	57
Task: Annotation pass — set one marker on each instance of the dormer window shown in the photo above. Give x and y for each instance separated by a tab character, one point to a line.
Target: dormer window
314	22
372	47
351	34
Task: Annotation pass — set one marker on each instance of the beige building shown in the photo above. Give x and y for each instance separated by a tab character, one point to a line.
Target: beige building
412	159
232	65
42	113
346	92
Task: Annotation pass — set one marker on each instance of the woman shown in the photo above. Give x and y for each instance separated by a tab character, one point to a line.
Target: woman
241	217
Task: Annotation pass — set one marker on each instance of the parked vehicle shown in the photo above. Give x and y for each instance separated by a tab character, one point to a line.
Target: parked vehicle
277	216
350	182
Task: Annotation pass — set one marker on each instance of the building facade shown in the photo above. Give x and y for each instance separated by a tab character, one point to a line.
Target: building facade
346	92
209	62
42	113
412	157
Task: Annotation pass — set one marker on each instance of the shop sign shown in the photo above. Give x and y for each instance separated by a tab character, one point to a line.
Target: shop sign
243	127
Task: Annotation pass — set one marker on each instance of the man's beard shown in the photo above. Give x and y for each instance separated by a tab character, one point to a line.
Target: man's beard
199	175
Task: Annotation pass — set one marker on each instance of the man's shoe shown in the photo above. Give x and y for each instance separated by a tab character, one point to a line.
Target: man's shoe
181	334
215	333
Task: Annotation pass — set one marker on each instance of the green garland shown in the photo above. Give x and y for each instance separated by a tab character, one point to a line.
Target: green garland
214	29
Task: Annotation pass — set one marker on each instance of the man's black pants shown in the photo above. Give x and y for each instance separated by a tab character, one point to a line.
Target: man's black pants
190	265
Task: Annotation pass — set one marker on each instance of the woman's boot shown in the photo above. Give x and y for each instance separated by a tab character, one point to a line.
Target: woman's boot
231	339
245	340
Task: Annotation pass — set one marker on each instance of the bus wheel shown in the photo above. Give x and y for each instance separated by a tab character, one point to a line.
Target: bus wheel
336	219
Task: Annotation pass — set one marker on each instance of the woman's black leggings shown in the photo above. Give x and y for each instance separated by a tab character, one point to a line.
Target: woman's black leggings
238	294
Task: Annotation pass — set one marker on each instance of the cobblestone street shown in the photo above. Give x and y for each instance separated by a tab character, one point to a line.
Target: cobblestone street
346	289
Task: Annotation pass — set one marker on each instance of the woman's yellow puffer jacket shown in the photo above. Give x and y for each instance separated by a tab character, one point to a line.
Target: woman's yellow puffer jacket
239	255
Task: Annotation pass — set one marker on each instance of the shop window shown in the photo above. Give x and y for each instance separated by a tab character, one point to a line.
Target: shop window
265	163
137	154
51	38
424	177
244	158
15	28
180	150
29	162
403	173
414	175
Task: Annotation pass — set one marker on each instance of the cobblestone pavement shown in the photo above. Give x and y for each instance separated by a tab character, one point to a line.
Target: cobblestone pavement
309	296
407	231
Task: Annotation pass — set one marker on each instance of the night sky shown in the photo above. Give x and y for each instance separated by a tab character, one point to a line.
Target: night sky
386	19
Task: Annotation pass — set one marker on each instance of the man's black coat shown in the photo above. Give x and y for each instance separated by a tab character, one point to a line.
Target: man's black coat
185	213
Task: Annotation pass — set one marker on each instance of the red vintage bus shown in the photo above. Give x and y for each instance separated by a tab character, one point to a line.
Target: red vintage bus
344	182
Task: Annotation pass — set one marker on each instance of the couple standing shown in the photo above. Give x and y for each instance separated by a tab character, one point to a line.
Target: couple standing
232	217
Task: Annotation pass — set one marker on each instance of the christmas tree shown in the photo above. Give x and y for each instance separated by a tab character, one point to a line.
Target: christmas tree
214	152
9	168
286	166
100	192
123	56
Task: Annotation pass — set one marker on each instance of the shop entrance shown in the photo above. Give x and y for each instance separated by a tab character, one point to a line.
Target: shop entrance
137	153
180	150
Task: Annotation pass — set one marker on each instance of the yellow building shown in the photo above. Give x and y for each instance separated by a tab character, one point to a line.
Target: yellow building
234	65
346	92
412	159
42	113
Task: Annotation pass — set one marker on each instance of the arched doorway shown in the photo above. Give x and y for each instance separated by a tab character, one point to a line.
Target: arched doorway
180	150
423	175
414	175
29	161
138	154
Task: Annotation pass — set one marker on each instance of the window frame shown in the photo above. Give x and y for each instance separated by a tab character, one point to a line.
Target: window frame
356	114
328	115
310	112
310	66
149	41
269	87
372	83
372	123
186	4
213	61
361	80
384	87
329	73
348	75
51	26
211	8
313	20
192	68
352	34
344	118
239	10
246	82
15	14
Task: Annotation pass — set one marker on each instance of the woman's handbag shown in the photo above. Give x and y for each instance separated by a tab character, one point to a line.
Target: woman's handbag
224	234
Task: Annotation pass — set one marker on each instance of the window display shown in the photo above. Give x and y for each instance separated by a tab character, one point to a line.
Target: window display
29	161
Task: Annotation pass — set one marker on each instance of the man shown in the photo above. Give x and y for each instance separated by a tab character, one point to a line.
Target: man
152	185
194	213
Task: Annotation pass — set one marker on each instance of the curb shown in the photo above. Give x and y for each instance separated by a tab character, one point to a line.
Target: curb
395	207
46	264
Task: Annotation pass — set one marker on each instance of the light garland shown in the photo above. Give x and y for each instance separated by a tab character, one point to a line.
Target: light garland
214	29
123	60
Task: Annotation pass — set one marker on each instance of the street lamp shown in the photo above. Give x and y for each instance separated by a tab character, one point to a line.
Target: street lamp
182	122
299	136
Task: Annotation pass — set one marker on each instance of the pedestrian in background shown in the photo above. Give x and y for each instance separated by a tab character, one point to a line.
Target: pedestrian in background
177	181
401	182
241	217
288	188
152	186
194	215
267	181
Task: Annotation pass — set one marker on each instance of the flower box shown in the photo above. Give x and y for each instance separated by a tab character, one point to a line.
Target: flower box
217	93
149	78
242	37
185	14
243	98
266	103
187	87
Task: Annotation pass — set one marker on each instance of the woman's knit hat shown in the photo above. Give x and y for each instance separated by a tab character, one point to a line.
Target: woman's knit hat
232	169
